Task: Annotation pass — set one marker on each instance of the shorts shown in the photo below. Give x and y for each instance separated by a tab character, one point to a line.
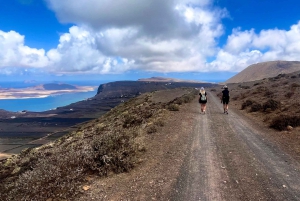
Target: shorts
225	100
202	102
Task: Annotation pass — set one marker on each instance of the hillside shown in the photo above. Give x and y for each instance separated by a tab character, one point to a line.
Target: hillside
164	79
273	103
265	70
123	89
114	143
157	146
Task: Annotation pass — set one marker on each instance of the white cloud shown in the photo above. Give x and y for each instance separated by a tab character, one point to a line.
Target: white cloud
150	35
244	48
13	52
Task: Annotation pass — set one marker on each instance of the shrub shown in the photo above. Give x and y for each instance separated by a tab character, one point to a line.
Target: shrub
131	120
281	122
213	90
285	82
244	87
255	107
275	85
235	98
294	76
289	94
268	93
255	84
246	103
159	122
173	107
295	85
272	104
151	129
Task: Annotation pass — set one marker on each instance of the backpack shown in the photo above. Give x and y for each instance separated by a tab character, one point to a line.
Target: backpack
225	93
203	97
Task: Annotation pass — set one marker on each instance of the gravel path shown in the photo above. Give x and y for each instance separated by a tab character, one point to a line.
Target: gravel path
230	159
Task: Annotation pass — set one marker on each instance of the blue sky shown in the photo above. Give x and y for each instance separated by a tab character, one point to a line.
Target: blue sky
131	39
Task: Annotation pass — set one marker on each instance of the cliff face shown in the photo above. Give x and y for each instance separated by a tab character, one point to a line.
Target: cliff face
265	70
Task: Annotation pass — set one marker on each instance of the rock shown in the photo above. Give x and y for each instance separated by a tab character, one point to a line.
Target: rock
86	188
289	128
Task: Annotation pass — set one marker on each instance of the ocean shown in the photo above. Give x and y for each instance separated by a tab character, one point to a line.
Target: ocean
47	103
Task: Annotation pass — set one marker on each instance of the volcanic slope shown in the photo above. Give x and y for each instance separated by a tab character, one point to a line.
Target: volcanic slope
265	70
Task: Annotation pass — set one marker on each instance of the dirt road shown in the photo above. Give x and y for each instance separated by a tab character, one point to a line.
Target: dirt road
230	159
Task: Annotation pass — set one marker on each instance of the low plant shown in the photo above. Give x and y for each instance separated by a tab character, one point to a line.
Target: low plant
246	103
255	107
272	104
173	107
281	122
289	94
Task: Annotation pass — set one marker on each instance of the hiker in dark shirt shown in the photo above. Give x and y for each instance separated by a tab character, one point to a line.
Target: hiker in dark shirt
225	99
203	99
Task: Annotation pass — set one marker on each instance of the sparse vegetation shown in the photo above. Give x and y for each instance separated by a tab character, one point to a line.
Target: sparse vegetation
246	103
255	107
244	87
282	122
289	94
110	144
272	104
173	107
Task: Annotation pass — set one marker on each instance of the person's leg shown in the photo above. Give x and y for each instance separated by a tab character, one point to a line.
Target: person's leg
201	107
204	108
224	107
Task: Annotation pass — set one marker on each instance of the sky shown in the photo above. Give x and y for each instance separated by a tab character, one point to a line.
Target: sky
209	40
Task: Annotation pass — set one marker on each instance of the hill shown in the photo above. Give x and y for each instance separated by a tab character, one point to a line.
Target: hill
164	79
265	70
114	143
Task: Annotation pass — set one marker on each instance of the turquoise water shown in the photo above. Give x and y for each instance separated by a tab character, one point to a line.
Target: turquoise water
43	104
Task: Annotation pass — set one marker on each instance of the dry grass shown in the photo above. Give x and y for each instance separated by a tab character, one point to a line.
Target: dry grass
109	145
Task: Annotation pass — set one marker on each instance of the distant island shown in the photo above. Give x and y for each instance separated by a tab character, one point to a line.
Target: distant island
42	91
54	86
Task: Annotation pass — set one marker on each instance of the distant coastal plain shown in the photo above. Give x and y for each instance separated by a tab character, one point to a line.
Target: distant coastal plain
38	92
15	96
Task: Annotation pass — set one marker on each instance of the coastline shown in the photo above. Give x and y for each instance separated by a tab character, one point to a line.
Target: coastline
26	93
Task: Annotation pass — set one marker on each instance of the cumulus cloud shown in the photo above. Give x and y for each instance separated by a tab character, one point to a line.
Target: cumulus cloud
164	36
244	48
13	52
148	35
